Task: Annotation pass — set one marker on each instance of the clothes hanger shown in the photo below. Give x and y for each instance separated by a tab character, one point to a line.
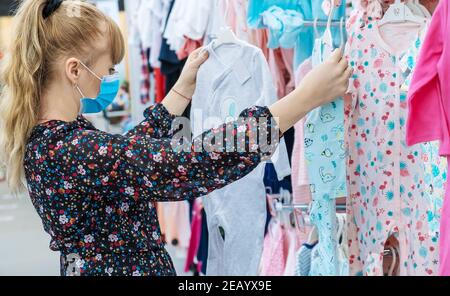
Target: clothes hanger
340	229
424	10
414	8
316	31
313	236
394	261
327	36
342	28
288	215
226	35
398	12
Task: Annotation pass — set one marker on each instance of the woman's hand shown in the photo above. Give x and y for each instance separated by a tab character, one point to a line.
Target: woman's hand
322	85
188	78
179	98
327	81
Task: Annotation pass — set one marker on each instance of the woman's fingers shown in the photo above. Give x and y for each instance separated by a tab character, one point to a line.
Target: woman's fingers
348	72
199	56
196	52
343	65
336	56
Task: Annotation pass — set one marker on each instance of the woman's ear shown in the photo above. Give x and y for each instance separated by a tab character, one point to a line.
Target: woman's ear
72	68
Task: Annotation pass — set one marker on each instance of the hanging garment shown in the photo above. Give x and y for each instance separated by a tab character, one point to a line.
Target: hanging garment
283	25
159	13
312	10
273	262
202	254
160	83
435	177
300	183
171	66
188	47
294	244
342	250
257	7
304	256
325	155
281	66
235	76
386	178
161	220
434	167
428	106
196	232
236	17
178	230
145	77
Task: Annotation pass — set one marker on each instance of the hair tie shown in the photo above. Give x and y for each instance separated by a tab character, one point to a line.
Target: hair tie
51	7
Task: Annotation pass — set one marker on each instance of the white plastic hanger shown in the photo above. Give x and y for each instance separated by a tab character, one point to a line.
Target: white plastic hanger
394	262
415	9
316	31
327	36
313	236
226	35
424	10
399	12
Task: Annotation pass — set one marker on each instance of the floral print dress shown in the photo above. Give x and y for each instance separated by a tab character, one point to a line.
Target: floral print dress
387	188
96	192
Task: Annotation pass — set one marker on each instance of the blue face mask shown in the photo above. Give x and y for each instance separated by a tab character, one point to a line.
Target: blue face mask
109	88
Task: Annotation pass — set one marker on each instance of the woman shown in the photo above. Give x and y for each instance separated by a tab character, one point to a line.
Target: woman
95	191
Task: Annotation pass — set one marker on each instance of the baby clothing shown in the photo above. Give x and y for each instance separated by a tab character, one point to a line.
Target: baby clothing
257	7
294	243
303	267
300	182
385	177
429	106
275	250
233	77
325	155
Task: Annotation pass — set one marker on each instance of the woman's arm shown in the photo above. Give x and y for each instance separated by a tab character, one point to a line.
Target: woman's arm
322	85
148	169
179	97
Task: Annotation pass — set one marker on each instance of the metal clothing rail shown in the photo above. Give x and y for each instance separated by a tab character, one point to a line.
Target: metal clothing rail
304	208
321	23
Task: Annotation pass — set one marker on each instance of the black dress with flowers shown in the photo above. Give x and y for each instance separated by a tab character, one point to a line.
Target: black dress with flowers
95	191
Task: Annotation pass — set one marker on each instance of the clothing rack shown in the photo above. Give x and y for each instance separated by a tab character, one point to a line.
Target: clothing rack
303	208
321	23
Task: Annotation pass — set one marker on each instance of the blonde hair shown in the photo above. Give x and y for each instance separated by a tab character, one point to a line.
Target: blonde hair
28	67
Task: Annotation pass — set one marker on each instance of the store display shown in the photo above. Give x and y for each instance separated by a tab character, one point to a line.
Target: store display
357	188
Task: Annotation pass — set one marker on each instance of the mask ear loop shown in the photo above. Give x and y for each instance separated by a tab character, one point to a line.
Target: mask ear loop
87	68
75	86
79	90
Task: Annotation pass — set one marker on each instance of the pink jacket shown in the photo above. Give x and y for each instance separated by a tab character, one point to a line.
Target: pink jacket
429	94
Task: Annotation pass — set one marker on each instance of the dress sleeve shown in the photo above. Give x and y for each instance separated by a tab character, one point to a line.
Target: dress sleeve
141	167
157	123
